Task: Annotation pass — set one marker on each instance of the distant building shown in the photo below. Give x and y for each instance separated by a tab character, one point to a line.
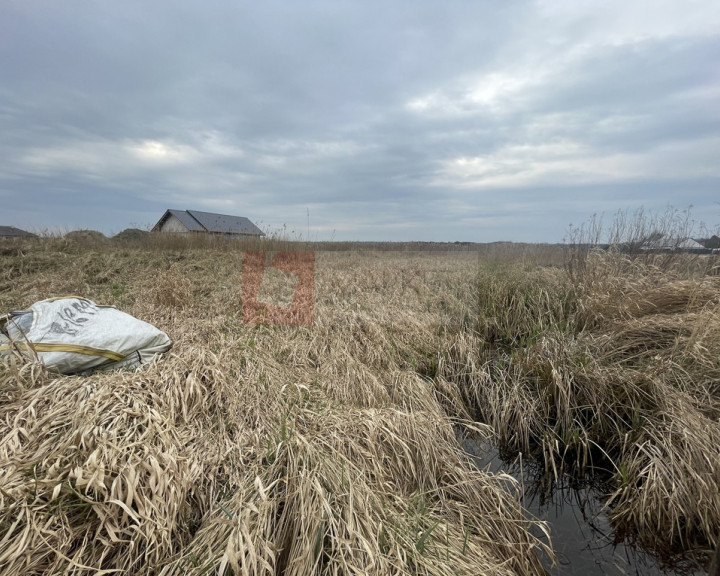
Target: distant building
12	232
661	243
196	222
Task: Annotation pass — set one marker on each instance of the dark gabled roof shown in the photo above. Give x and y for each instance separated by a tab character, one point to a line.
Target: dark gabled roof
224	224
197	221
6	231
188	221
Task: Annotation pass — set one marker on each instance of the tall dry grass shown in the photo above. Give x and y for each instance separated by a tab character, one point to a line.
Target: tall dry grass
328	449
332	449
617	368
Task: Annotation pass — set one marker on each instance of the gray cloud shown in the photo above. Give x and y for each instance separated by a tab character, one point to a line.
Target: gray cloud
466	121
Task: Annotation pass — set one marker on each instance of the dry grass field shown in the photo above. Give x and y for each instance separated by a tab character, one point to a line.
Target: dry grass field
333	448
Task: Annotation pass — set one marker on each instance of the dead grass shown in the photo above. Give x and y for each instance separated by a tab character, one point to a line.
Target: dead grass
617	371
328	449
331	448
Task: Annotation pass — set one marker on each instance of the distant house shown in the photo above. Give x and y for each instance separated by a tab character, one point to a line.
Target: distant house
196	222
12	232
661	243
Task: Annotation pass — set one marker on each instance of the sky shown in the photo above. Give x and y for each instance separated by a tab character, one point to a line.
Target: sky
452	120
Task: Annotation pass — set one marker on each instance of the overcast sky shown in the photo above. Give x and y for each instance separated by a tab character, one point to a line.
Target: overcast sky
393	120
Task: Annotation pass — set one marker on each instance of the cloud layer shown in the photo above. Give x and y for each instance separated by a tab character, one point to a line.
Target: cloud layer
455	121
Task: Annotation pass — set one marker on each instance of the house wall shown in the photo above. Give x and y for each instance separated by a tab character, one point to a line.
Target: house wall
172	224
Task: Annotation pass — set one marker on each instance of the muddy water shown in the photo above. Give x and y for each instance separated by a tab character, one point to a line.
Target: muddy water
581	533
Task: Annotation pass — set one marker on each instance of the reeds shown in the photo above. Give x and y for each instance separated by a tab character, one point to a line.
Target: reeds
616	371
328	449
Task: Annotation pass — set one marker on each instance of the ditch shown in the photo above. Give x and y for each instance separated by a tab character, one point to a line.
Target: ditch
582	537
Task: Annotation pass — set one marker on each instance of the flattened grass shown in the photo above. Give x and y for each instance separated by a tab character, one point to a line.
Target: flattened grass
331	449
616	370
252	449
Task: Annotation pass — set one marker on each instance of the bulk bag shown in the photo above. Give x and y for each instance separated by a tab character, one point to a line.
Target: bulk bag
73	335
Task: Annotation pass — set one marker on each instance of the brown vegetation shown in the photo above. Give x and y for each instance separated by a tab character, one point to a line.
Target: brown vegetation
332	449
251	449
620	369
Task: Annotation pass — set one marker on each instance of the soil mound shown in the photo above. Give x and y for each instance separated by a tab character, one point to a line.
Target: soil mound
88	236
131	235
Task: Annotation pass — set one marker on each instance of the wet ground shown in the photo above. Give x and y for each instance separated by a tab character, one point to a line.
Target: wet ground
581	533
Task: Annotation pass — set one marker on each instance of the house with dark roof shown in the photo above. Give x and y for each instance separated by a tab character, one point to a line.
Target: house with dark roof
659	242
12	232
195	221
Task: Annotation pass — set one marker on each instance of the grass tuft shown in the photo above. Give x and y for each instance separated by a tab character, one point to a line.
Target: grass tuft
328	449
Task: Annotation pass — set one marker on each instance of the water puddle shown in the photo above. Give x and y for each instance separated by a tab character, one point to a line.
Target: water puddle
582	536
